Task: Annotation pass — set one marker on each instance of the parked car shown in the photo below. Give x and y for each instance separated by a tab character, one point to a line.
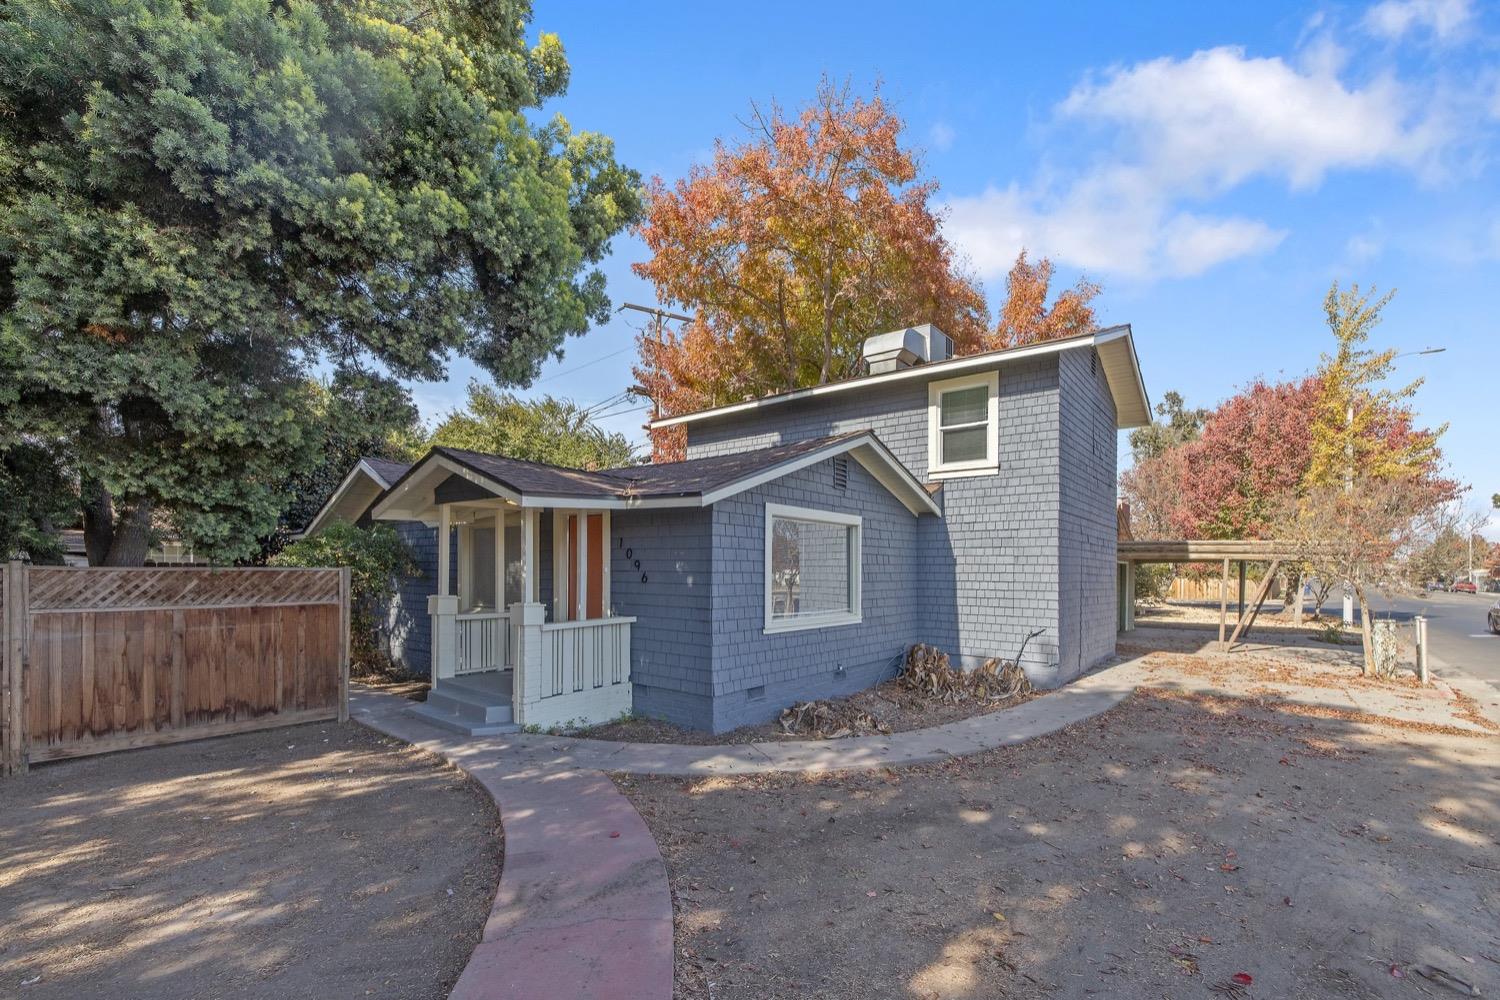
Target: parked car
1495	618
1465	587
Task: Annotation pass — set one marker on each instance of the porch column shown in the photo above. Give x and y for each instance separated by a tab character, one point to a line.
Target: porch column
443	608
527	654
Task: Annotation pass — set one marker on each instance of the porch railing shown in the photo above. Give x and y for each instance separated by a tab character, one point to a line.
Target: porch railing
585	655
483	642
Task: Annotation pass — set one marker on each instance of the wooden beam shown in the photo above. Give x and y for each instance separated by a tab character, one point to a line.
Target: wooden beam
1208	550
1223	601
1247	618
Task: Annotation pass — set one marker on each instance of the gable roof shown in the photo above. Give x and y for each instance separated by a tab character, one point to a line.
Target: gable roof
364	483
1116	347
696	482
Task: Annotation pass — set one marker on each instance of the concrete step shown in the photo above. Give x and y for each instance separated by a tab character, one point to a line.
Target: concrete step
484	709
455	723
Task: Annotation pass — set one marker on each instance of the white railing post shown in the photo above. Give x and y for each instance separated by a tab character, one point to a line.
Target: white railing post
528	657
444	611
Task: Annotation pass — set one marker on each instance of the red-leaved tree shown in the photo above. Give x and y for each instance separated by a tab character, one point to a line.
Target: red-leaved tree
794	245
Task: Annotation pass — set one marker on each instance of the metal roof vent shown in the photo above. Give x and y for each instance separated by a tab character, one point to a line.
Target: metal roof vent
915	345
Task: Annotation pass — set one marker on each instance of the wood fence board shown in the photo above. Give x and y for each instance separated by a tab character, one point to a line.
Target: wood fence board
100	663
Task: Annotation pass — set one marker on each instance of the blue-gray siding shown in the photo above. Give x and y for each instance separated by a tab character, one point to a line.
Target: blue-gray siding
756	675
1087	613
669	595
989	570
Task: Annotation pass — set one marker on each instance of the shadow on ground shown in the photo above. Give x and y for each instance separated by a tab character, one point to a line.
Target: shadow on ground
1157	850
315	861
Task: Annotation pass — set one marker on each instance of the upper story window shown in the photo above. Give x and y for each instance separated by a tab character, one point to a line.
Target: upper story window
813	576
963	417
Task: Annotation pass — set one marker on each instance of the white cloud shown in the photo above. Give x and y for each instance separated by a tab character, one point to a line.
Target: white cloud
1445	19
1219	117
1191	130
941	135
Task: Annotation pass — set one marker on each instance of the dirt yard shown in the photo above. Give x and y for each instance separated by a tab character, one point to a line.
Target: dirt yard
317	861
891	707
1177	846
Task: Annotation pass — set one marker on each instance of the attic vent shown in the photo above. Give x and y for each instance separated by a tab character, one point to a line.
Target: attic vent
1093	362
841	472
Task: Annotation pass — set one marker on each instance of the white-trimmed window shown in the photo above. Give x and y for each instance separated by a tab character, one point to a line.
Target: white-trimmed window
813	576
963	426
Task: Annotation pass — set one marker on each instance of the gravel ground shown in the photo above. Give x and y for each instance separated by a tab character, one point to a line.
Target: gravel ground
1169	848
315	861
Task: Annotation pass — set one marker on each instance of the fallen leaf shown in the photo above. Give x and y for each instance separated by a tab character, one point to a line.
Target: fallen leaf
1243	978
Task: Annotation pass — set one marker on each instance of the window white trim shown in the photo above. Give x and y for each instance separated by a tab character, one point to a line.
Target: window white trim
990	464
854	614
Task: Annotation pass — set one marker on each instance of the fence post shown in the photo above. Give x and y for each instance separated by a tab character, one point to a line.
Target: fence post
14	752
344	649
1421	623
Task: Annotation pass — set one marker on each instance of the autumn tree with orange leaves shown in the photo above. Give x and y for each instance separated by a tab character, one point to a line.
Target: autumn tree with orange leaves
794	245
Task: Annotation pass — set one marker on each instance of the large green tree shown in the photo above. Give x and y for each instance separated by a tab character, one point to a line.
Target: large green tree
357	416
199	201
555	431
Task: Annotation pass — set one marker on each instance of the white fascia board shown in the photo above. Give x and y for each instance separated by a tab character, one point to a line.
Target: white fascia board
867	451
937	369
317	523
1128	345
609	503
397	504
940	368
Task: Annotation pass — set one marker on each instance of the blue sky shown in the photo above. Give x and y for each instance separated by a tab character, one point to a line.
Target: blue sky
1214	167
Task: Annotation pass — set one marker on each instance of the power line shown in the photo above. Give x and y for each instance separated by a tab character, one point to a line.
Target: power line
586	364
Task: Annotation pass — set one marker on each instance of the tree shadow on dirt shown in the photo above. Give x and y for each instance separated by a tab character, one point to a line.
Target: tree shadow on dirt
1159	849
314	861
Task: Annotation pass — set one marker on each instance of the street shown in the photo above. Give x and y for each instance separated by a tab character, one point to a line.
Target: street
1457	628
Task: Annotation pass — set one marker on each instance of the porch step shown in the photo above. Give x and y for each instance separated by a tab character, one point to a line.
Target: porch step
475	704
457	724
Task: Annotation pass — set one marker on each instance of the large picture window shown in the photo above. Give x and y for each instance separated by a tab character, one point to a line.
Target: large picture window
812	568
963	425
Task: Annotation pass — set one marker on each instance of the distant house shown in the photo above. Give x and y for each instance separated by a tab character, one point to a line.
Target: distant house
806	542
167	552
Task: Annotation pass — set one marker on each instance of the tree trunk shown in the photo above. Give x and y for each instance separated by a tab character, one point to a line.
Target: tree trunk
132	536
113	536
98	520
1364	630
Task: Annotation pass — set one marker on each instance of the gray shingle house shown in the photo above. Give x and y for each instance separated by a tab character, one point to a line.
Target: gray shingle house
806	542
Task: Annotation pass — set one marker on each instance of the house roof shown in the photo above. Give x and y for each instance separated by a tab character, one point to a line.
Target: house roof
386	469
1116	347
369	478
696	482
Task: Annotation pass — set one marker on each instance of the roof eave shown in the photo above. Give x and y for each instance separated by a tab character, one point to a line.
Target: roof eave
317	523
968	362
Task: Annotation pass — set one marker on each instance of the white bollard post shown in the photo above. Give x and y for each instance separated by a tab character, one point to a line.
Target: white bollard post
1421	623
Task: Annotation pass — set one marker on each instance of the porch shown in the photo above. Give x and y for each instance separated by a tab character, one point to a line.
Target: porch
522	628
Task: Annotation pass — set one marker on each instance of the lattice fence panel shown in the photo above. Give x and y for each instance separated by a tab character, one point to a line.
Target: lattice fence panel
103	588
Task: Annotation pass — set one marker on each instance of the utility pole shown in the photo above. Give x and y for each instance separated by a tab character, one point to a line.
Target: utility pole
658	316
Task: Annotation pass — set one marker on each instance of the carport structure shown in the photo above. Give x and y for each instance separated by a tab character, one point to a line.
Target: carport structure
1205	550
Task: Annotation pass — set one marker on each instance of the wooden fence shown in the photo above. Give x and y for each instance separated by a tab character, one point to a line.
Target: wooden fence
97	659
1212	589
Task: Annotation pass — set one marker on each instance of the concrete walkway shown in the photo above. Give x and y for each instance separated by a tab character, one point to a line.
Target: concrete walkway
584	909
